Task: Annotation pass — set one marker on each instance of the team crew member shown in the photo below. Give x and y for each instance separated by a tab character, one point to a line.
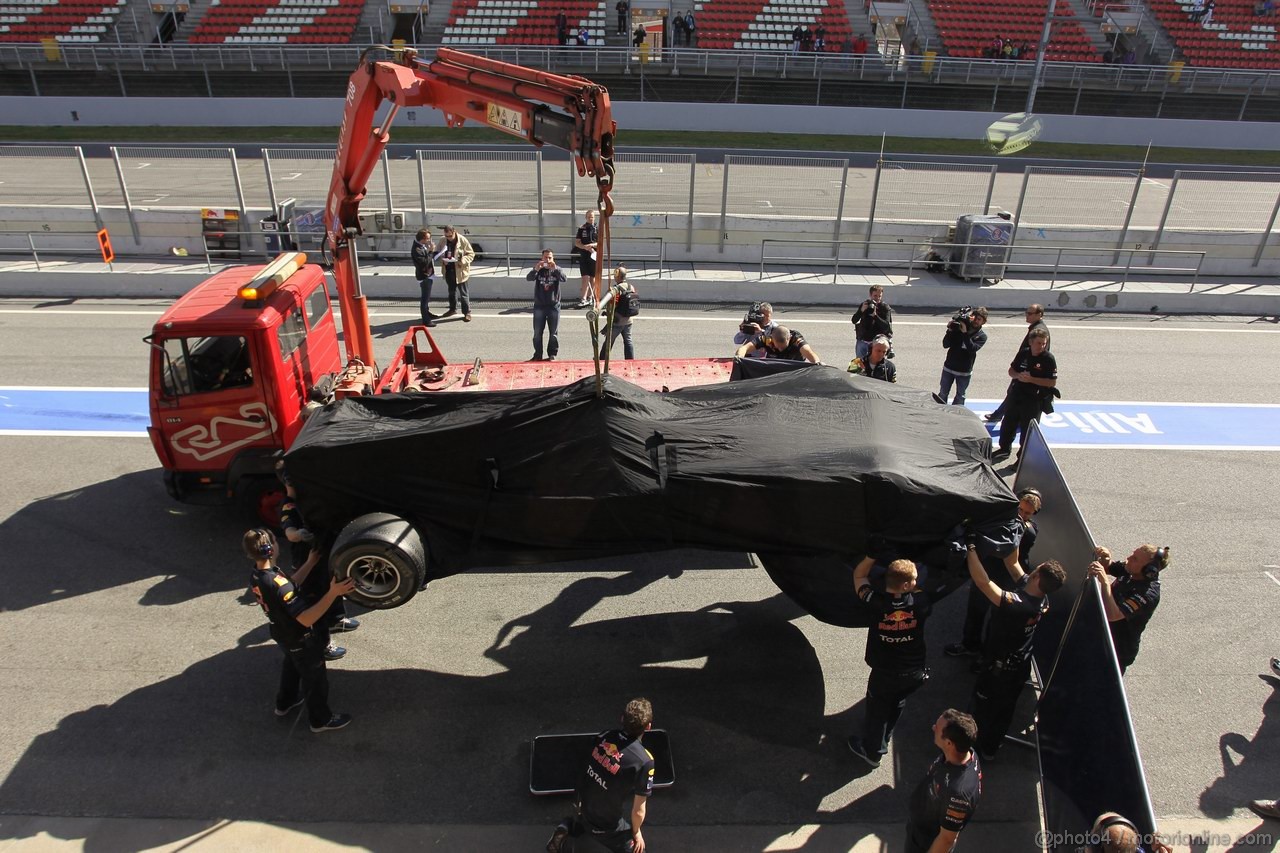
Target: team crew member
1131	599
586	241
876	365
874	317
613	791
1004	560
895	652
1035	320
301	545
293	621
781	342
948	795
1008	650
1035	374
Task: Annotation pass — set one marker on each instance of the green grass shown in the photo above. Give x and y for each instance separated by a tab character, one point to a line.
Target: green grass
834	143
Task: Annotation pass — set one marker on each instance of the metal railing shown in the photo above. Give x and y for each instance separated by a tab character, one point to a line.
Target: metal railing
736	63
936	254
90	238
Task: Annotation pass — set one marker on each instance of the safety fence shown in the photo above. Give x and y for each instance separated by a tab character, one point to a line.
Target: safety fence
898	199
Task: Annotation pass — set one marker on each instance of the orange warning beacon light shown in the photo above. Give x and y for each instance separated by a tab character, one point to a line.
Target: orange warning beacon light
104	244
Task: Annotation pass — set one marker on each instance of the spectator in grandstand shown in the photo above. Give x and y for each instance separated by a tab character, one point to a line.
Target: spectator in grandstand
876	365
1028	51
1035	320
914	50
947	796
562	28
584	37
1265	9
820	38
585	243
623	9
1035	373
638	37
690	29
806	40
1132	597
1007	654
759	320
874	317
677	32
797	36
781	342
962	340
860	48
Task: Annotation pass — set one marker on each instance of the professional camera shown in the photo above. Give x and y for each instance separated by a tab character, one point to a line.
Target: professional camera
753	322
962	319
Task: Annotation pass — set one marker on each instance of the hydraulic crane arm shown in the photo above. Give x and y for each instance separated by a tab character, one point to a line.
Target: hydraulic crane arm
564	111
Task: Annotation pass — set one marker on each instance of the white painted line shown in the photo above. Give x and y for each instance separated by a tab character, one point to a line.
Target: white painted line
1242	448
292	177
74	433
1273	577
67	388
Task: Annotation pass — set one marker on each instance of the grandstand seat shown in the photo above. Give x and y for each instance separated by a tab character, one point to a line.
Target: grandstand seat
278	22
472	22
1234	38
69	22
967	27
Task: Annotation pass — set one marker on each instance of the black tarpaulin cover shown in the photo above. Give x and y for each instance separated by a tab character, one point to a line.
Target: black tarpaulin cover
803	462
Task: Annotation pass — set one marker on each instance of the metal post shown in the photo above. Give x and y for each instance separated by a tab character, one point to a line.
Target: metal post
88	185
906	75
1017	215
1044	43
244	208
688	235
422	186
31	241
120	78
871	214
288	71
1266	233
271	185
35	86
542	228
124	192
835	235
991	188
208	84
724	205
573	194
1245	102
386	182
737	80
1128	215
1164	217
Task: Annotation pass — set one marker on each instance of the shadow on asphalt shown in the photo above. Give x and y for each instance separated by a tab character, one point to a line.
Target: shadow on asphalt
1248	764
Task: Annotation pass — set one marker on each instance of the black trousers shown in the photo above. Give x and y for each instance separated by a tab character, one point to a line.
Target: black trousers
887	694
1018	416
304	670
995	697
1004	404
979	607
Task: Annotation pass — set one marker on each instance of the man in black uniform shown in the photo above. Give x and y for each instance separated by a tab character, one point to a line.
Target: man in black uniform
586	243
1007	655
873	317
1132	598
1035	320
895	652
613	791
948	795
293	620
780	342
302	544
1001	550
1035	374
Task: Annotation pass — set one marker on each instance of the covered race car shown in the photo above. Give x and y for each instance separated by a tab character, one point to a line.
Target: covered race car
800	467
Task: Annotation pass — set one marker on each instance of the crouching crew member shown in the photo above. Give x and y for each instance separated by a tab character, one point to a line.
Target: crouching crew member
613	791
1131	599
895	652
293	621
877	365
948	795
1007	655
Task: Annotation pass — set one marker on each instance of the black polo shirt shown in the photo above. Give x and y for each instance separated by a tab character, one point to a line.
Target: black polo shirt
945	799
1137	600
1030	530
895	640
282	603
291	519
1013	625
618	770
791	352
1042	366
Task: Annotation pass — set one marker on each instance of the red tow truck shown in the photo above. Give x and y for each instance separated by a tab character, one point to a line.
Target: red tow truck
236	361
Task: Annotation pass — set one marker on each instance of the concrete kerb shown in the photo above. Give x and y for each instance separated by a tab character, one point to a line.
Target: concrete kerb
729	284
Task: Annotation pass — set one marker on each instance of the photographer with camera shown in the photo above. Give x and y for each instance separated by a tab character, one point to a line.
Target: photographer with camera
758	321
876	365
1035	375
546	278
780	342
874	317
963	339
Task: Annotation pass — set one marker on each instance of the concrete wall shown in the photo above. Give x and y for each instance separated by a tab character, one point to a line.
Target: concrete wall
323	112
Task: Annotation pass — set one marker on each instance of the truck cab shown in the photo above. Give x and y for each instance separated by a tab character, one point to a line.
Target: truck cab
233	364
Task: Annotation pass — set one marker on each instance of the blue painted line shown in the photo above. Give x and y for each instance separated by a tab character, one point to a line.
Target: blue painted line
73	411
1120	425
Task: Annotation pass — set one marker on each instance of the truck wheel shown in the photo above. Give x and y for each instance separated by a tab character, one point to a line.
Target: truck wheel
384	554
261	497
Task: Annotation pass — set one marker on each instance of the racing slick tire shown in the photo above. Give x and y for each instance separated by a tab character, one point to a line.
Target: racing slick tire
385	556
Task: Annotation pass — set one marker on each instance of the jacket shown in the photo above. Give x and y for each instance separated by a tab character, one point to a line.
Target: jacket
423	266
464	255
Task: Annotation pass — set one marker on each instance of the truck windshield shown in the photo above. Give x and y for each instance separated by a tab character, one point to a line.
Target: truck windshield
203	365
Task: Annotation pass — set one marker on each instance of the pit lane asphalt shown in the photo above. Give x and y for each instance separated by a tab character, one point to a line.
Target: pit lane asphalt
136	684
